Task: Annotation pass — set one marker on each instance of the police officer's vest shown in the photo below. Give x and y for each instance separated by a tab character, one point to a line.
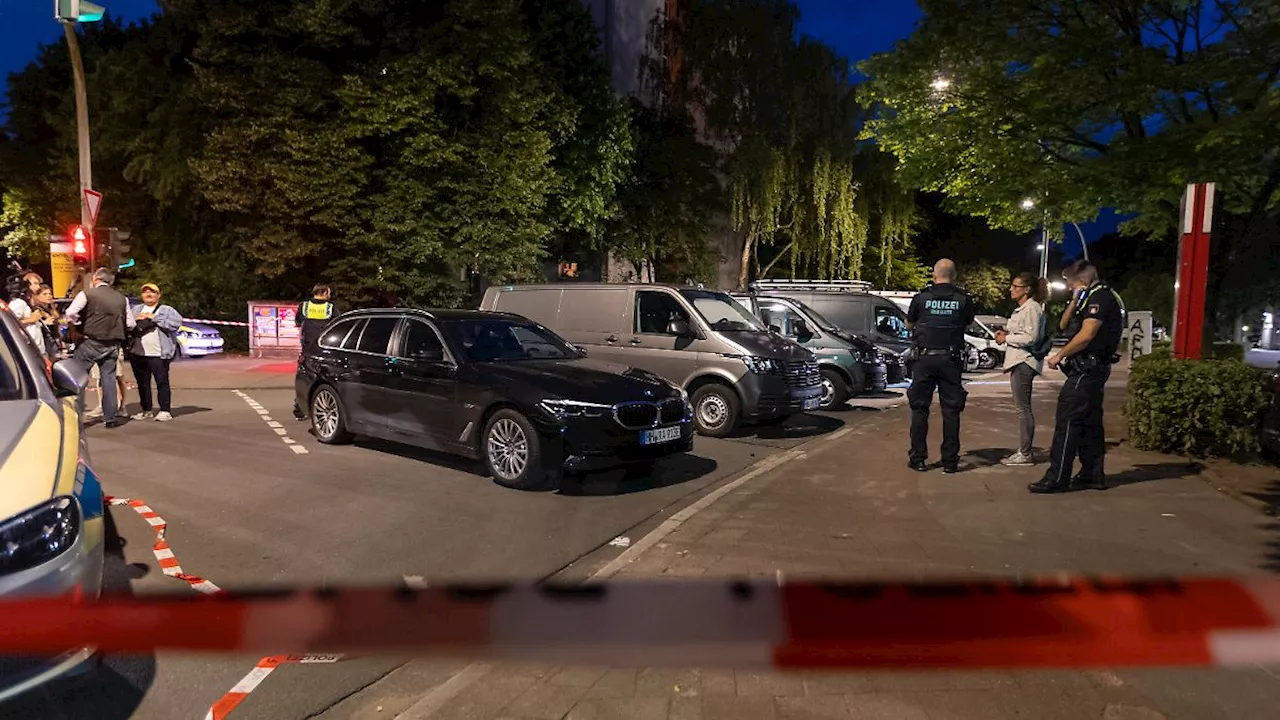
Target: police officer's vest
941	323
316	311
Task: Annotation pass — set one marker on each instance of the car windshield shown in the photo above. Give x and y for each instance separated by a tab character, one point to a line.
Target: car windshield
500	340
722	312
818	318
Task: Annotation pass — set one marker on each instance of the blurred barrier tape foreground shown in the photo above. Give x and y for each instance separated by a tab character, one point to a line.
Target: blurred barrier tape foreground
1052	623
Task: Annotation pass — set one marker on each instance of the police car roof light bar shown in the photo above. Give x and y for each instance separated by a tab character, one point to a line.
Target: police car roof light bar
837	286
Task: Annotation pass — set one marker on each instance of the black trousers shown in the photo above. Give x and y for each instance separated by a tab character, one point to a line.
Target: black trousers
940	372
144	370
1078	429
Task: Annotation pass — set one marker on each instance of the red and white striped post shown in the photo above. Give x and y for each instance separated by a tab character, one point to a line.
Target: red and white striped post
1193	271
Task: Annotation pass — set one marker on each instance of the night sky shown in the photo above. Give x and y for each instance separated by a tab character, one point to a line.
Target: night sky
855	28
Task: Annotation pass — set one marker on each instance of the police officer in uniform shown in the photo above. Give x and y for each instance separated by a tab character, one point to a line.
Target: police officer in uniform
1086	360
312	317
938	317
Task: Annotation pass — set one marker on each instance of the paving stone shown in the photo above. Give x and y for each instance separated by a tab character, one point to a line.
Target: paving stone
616	683
633	709
546	701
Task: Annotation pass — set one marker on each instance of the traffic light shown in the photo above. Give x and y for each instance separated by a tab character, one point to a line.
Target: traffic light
120	247
77	11
81	246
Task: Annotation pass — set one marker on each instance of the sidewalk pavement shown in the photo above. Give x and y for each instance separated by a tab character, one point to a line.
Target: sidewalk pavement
849	508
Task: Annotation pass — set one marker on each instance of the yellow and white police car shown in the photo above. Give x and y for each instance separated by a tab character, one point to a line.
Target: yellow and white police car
51	503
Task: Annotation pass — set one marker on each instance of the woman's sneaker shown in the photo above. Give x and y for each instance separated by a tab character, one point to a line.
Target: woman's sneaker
163	416
1018	460
144	415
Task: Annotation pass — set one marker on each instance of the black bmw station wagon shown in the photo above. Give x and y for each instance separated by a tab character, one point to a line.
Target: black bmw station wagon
491	386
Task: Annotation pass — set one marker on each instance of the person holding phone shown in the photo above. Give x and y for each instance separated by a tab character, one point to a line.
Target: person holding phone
1026	344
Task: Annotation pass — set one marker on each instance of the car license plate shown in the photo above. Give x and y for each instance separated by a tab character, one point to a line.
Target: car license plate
659	435
812	403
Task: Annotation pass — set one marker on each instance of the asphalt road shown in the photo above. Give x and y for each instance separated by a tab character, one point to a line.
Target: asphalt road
246	507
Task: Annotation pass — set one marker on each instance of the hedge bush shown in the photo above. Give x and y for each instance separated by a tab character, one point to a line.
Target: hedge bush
1226	351
1198	408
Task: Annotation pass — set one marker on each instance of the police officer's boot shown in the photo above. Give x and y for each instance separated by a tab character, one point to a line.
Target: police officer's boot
1050	485
1081	482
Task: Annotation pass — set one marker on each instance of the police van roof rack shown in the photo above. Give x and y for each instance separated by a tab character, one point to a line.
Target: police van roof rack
832	286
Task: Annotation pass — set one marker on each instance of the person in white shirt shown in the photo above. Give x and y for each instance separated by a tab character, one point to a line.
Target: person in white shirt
151	349
1026	343
23	309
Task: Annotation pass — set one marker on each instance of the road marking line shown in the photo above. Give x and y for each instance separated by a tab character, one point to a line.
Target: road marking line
279	429
669	526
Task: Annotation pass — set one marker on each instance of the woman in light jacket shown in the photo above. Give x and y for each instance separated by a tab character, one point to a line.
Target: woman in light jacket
1023	358
151	348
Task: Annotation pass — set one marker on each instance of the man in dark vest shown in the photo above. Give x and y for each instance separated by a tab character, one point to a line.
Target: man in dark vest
312	317
105	320
938	317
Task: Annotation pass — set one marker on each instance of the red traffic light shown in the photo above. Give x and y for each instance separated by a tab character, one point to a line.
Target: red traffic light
79	242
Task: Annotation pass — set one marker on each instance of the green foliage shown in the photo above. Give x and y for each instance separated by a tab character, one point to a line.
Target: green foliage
1151	290
1084	105
987	284
667	205
804	194
1197	408
1225	351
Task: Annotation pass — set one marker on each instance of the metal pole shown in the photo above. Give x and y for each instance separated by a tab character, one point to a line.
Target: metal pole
1044	247
82	134
1083	244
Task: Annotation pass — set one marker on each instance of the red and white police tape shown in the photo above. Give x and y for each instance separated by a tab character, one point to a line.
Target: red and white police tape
232	323
756	624
169	566
164	556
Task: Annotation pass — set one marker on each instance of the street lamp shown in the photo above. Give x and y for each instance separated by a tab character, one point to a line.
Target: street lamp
1043	247
940	83
70	13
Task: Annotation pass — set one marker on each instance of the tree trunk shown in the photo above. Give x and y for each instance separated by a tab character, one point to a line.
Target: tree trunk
745	267
765	272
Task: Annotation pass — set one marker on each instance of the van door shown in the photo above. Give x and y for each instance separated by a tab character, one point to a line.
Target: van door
890	325
648	344
595	319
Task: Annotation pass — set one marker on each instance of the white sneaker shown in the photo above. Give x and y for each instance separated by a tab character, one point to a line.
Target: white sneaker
1018	460
163	416
142	415
94	413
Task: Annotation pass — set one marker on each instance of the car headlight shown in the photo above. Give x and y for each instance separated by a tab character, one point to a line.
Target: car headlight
761	365
562	409
684	395
39	535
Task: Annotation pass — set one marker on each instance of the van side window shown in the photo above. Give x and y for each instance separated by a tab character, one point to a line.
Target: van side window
890	322
656	310
777	315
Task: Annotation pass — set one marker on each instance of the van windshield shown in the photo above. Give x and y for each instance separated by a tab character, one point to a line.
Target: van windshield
722	312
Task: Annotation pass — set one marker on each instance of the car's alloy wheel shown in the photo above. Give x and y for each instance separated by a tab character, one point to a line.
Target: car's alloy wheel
508	450
326	417
835	391
512	451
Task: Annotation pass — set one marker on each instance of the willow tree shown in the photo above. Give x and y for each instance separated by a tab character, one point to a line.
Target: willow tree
780	109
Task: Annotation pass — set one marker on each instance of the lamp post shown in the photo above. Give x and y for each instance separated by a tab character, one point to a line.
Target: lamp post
1043	247
70	13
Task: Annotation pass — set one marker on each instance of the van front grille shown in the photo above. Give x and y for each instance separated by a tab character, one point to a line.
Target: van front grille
803	373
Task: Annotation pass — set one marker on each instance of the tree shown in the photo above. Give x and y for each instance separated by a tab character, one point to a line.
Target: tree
781	112
988	285
1151	291
1084	105
668	203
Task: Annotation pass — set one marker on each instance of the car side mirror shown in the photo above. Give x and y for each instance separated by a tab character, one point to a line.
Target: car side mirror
69	378
582	352
679	328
